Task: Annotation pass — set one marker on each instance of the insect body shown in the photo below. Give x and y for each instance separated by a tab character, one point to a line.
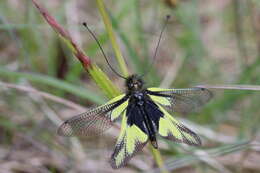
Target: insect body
143	114
143	118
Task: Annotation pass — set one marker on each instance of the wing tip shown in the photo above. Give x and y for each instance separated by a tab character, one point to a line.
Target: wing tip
65	129
195	143
210	93
114	164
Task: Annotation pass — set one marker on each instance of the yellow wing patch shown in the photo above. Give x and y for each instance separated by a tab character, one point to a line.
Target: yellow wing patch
167	128
115	99
130	140
161	100
158	99
159	89
171	129
118	110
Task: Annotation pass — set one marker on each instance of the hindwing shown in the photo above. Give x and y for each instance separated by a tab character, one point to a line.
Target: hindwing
172	129
169	127
131	140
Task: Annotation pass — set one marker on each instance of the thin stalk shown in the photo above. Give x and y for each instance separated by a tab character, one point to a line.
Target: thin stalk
156	154
158	159
96	74
135	59
111	35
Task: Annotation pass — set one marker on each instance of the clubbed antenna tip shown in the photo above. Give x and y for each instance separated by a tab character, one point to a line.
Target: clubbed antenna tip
84	24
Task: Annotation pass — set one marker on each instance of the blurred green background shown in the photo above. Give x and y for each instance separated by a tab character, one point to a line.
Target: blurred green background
205	42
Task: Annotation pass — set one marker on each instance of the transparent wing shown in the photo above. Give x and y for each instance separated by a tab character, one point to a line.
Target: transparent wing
95	121
181	100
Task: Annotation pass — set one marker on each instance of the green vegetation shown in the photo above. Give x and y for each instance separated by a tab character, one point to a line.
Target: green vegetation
206	42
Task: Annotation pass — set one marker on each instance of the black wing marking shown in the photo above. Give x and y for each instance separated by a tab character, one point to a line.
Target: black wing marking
173	130
90	123
132	138
184	100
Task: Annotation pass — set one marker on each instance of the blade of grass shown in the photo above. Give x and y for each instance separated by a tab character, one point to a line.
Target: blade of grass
138	66
122	65
96	74
49	96
92	49
94	71
51	115
103	82
112	38
208	133
173	164
59	84
158	159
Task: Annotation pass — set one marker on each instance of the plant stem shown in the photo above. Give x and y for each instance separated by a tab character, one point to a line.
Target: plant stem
158	159
156	154
111	35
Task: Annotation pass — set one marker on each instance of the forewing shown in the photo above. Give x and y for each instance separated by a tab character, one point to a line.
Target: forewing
173	130
131	140
181	100
95	121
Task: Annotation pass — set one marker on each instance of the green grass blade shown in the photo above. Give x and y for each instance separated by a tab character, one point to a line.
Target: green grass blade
59	84
112	38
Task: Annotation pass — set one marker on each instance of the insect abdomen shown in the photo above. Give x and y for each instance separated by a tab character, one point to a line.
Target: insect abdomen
151	127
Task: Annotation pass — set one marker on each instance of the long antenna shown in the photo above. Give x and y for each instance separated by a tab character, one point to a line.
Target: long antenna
99	45
158	43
